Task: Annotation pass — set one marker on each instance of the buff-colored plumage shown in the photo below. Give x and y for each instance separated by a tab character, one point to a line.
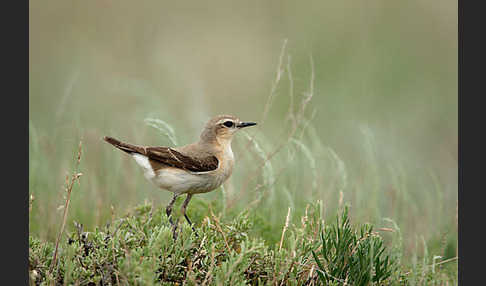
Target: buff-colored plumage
191	169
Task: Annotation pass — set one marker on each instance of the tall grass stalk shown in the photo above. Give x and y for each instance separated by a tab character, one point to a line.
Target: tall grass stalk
69	187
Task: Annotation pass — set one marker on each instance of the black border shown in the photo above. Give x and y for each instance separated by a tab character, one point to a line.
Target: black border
15	142
471	143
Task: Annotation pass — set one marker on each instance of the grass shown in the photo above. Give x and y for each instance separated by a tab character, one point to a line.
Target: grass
138	249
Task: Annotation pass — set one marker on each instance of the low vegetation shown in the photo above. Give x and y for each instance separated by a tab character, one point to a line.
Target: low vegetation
138	249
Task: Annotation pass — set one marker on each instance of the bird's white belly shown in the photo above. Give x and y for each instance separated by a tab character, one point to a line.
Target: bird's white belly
181	181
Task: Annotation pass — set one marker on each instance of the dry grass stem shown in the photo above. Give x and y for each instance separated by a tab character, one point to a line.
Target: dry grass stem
69	187
442	262
31	202
308	96
209	274
290	112
386	229
299	120
341	199
284	229
280	70
305	218
218	227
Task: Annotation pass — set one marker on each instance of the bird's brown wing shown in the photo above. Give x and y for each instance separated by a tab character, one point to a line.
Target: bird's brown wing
168	156
173	158
125	147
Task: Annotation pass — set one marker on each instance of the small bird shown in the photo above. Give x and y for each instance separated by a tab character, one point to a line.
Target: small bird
196	168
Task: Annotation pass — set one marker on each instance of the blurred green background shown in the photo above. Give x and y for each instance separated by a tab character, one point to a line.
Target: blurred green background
380	132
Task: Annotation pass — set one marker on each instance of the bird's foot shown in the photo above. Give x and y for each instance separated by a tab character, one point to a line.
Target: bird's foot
191	224
194	231
174	229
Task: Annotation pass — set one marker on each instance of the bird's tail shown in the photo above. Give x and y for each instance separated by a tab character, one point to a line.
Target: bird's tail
129	148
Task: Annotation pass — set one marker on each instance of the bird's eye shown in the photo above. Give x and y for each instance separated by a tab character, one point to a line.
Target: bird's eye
228	123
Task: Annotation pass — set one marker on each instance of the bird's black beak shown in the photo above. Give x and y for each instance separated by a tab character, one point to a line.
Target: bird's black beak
245	124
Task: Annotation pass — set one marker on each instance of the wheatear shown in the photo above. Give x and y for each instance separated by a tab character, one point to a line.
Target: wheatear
196	168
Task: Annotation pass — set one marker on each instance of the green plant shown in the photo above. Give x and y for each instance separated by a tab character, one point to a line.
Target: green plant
350	256
138	249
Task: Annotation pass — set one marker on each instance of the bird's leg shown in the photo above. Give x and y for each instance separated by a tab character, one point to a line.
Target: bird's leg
168	209
183	209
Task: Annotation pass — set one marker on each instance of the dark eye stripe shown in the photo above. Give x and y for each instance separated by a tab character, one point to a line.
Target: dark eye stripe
228	124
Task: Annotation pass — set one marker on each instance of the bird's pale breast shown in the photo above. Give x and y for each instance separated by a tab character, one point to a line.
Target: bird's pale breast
181	181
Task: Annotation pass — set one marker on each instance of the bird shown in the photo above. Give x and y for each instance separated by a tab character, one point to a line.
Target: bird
191	169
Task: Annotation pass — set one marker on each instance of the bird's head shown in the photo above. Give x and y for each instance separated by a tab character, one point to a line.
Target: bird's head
221	128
